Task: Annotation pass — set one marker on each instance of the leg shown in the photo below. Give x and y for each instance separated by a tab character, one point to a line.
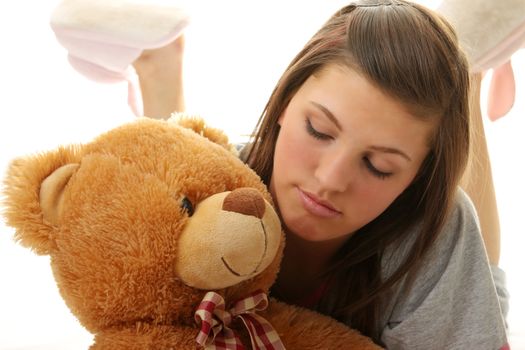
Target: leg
478	182
160	73
479	185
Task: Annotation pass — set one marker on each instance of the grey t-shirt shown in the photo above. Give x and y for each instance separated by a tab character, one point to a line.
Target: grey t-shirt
453	302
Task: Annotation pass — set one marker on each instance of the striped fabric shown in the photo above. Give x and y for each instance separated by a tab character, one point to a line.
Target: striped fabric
214	319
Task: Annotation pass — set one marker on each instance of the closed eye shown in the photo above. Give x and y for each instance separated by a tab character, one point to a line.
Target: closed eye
377	173
313	132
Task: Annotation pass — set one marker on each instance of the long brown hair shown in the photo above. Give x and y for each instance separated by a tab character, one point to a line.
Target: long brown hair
411	54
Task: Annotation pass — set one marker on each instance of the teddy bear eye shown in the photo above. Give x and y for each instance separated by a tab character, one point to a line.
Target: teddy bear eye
187	206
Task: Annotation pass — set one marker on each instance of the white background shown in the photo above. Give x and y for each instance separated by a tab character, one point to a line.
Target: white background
236	51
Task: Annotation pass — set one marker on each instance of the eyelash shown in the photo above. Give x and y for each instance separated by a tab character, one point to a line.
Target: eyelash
379	174
316	134
320	136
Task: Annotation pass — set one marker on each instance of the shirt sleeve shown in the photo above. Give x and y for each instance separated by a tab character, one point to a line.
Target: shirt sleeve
500	281
452	304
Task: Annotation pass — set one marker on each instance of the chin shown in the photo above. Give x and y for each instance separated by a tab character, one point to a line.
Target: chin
306	232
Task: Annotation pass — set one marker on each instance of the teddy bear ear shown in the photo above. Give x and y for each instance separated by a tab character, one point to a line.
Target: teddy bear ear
52	192
198	125
33	190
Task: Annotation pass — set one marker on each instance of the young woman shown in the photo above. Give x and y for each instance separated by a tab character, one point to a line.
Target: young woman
363	143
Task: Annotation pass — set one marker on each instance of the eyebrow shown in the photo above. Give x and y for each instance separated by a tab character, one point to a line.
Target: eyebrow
383	149
329	114
392	151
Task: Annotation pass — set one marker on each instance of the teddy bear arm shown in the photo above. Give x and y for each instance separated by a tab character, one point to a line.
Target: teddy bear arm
146	337
300	328
198	125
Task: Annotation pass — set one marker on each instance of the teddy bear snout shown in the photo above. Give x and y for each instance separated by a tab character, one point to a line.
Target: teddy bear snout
232	236
247	201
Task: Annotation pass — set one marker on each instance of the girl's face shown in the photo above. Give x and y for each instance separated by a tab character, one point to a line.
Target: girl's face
345	151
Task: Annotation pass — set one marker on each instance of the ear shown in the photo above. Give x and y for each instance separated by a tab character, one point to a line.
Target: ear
198	125
33	188
52	192
281	117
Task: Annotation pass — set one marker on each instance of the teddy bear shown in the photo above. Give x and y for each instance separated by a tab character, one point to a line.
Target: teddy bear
160	237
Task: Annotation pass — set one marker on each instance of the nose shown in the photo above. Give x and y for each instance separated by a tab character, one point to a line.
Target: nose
247	201
334	171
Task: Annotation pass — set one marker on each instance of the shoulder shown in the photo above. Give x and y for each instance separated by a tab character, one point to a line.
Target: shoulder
463	206
442	303
460	237
463	217
459	247
243	149
461	226
459	242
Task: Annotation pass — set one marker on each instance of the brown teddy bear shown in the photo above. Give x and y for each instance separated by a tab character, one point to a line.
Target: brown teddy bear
160	238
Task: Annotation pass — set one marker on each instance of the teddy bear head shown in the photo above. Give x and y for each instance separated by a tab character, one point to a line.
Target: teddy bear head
140	223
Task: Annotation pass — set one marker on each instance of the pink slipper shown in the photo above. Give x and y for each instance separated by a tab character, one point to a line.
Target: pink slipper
490	31
103	37
502	91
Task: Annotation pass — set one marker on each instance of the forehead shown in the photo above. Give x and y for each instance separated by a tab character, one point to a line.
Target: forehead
343	80
363	109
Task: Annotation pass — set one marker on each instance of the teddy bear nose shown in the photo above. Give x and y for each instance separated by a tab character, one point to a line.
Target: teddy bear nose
247	201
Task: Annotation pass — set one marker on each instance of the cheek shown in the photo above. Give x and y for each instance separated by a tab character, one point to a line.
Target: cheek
292	150
379	195
376	199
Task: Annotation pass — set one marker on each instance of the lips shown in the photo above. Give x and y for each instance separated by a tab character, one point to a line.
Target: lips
317	206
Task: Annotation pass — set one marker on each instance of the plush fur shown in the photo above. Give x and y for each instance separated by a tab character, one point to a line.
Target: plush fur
490	31
136	224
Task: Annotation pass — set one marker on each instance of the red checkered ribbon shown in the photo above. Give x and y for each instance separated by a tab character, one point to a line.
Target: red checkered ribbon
214	320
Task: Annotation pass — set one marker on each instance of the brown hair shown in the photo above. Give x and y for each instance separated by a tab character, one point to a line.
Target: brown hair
411	54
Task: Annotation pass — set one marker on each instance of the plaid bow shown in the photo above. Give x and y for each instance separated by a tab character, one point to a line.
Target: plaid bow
214	320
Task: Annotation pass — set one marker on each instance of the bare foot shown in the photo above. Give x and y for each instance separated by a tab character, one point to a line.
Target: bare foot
160	73
169	55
